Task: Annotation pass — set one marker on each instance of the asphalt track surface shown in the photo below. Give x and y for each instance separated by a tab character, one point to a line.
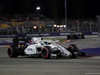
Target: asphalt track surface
60	66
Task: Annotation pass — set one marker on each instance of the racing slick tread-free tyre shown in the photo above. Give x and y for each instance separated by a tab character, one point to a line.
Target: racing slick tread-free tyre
73	48
12	52
46	52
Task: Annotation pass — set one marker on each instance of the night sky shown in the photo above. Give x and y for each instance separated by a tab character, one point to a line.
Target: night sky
53	9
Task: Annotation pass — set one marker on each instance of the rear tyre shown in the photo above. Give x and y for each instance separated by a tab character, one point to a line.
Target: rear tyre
12	52
46	52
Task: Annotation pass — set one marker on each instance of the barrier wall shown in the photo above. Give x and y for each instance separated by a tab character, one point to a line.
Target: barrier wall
44	34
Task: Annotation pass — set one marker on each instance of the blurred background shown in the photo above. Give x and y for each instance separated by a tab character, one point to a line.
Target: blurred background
46	16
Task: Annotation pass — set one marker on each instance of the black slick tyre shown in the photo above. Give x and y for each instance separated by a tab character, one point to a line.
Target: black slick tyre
74	47
74	50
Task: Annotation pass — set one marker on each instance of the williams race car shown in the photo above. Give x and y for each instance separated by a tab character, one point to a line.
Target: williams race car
38	47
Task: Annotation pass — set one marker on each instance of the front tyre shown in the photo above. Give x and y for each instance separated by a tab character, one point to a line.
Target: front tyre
12	52
74	50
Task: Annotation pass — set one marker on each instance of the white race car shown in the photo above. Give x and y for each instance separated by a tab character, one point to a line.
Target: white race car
38	47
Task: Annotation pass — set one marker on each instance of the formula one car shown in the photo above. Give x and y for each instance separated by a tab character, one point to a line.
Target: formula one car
38	47
76	36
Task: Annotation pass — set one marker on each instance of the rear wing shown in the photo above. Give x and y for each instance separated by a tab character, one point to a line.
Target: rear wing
16	40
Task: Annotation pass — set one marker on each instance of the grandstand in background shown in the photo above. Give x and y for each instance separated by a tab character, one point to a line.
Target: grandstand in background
30	23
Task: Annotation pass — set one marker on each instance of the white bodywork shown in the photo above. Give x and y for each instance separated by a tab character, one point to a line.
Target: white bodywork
38	43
